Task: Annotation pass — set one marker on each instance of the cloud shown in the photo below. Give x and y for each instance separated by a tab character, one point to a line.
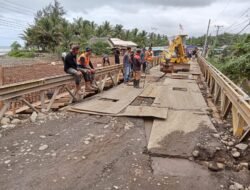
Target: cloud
160	16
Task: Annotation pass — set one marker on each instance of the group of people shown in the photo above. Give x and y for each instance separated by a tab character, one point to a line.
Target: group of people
135	63
80	66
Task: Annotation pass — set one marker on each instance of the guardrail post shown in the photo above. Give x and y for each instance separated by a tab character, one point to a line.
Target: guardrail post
6	106
30	105
216	93
238	122
42	98
102	83
53	97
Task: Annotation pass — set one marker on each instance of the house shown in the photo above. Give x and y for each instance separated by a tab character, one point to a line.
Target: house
114	42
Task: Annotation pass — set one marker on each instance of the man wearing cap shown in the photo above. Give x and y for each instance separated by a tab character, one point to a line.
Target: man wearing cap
86	64
137	68
70	67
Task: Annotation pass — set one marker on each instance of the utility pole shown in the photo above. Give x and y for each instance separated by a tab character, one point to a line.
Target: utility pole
217	33
205	44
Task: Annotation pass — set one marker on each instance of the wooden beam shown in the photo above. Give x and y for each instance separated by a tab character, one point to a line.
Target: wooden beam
102	83
227	107
71	94
30	105
212	86
112	78
6	105
217	94
53	97
42	98
238	123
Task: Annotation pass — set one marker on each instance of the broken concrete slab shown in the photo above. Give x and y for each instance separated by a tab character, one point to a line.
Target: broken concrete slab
151	90
180	97
145	111
148	123
179	133
184	174
110	102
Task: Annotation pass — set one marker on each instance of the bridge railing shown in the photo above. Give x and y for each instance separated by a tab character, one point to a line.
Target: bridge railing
13	93
14	96
228	97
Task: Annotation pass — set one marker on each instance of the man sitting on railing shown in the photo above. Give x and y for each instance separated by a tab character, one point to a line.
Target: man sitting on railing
70	67
86	66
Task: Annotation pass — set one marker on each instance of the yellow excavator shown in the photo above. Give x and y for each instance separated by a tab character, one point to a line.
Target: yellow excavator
175	59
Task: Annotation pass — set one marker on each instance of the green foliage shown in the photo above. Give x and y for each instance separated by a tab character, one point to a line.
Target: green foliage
236	65
51	32
15	46
21	53
100	48
46	34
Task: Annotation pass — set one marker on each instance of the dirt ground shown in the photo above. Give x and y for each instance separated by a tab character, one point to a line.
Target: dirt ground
69	151
93	152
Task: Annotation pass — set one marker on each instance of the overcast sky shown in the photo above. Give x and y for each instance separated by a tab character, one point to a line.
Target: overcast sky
160	16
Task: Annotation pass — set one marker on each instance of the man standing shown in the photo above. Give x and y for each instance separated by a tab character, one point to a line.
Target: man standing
105	58
70	67
86	64
127	65
144	63
149	58
137	68
117	56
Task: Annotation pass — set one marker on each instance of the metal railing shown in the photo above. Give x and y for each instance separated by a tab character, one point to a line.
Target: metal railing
227	96
12	93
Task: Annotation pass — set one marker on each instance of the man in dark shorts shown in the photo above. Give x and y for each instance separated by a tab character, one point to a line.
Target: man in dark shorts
117	56
70	67
137	68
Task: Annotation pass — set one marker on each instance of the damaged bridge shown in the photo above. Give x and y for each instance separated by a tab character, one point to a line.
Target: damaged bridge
187	130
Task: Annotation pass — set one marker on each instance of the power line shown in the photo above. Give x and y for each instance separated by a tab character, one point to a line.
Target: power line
236	26
225	7
13	23
235	21
4	24
13	19
14	10
9	3
244	28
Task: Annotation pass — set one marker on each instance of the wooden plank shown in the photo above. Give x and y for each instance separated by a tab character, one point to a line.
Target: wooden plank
53	97
179	97
87	112
5	107
151	91
184	83
179	133
145	111
112	101
30	105
148	124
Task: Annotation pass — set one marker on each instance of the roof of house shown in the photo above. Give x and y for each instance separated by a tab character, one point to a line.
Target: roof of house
113	42
122	43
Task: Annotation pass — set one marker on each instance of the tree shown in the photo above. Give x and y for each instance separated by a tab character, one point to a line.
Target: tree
15	46
100	48
46	33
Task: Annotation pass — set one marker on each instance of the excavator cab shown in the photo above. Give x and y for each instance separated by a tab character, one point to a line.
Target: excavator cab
175	58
